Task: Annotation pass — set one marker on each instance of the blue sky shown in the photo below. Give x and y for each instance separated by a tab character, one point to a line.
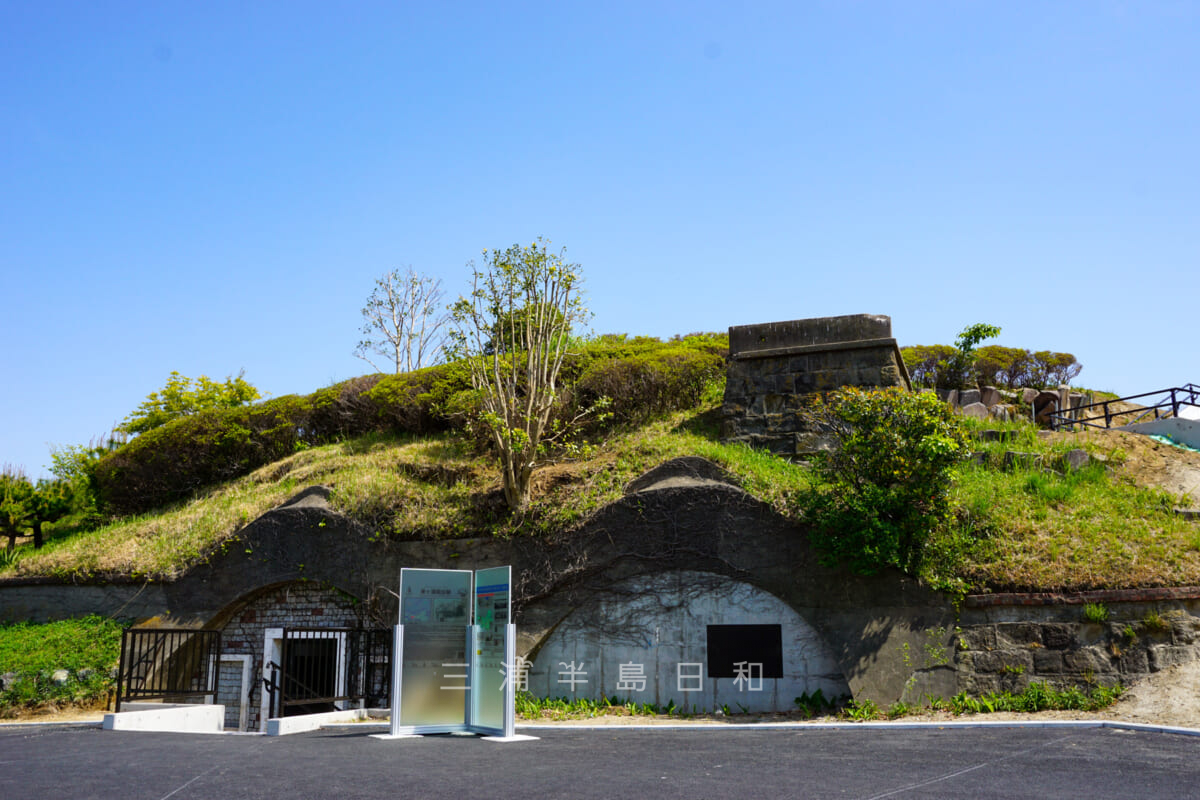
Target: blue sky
211	187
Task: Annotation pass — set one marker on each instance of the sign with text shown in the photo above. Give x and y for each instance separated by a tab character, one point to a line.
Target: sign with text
455	651
435	610
435	597
492	609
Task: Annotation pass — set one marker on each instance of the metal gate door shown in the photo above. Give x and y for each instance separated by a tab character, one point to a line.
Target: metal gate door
331	669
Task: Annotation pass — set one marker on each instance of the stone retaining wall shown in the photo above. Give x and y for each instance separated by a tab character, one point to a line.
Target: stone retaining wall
1046	638
774	365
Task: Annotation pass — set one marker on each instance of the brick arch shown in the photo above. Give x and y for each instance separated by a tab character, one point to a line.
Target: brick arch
223	617
245	622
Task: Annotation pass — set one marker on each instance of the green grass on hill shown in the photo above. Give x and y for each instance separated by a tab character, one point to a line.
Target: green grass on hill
1048	528
1022	528
402	487
86	648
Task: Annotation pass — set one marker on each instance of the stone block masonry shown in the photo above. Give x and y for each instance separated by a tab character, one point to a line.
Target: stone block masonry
773	366
1005	642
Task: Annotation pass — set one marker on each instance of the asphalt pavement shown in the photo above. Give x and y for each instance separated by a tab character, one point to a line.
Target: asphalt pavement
47	762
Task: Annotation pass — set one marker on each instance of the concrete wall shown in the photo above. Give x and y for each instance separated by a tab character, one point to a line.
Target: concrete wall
630	645
166	717
720	530
773	366
1183	431
41	600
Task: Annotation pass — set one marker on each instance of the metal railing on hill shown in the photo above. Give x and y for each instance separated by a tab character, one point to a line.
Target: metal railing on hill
1165	403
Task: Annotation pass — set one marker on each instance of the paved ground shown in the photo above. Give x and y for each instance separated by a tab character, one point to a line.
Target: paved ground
75	762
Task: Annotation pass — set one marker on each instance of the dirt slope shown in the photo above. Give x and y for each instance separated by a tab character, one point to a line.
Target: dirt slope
1144	461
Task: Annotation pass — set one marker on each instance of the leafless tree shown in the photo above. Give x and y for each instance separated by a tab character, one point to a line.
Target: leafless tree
404	321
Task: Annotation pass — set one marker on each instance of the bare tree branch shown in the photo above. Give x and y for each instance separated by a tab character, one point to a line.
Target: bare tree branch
404	321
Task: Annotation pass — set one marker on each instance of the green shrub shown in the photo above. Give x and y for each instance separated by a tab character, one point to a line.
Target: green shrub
170	463
343	411
1037	696
1155	622
862	710
425	400
646	385
1095	612
887	482
923	363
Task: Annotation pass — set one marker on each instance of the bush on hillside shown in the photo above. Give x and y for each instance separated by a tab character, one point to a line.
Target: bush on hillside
1008	367
924	361
172	462
1012	367
645	385
887	483
422	401
343	411
642	377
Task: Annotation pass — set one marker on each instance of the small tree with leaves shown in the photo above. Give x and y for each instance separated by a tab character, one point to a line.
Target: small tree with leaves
16	510
959	369
513	331
404	321
182	397
50	502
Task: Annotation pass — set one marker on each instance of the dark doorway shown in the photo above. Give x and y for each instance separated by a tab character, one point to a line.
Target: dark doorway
309	676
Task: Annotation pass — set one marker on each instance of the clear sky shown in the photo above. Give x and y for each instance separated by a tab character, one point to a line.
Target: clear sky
211	187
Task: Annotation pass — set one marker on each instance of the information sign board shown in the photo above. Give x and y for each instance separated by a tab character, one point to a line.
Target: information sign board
491	672
454	650
435	611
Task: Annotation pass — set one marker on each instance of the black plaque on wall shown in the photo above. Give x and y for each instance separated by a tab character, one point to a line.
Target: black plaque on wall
754	644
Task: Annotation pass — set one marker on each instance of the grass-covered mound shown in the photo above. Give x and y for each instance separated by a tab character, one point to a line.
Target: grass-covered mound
1032	526
407	487
400	459
641	378
1038	525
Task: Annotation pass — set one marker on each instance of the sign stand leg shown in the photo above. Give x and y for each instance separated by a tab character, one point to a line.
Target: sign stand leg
397	680
510	691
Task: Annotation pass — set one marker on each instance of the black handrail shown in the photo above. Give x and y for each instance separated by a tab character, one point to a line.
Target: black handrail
1173	398
157	663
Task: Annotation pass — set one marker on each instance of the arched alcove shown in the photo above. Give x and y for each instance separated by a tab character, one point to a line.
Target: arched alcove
681	636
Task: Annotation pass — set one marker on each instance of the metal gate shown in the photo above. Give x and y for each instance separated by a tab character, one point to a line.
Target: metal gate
330	669
171	664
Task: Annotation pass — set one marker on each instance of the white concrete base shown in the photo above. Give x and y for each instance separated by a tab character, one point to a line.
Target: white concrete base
282	726
1184	431
168	717
516	737
389	736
